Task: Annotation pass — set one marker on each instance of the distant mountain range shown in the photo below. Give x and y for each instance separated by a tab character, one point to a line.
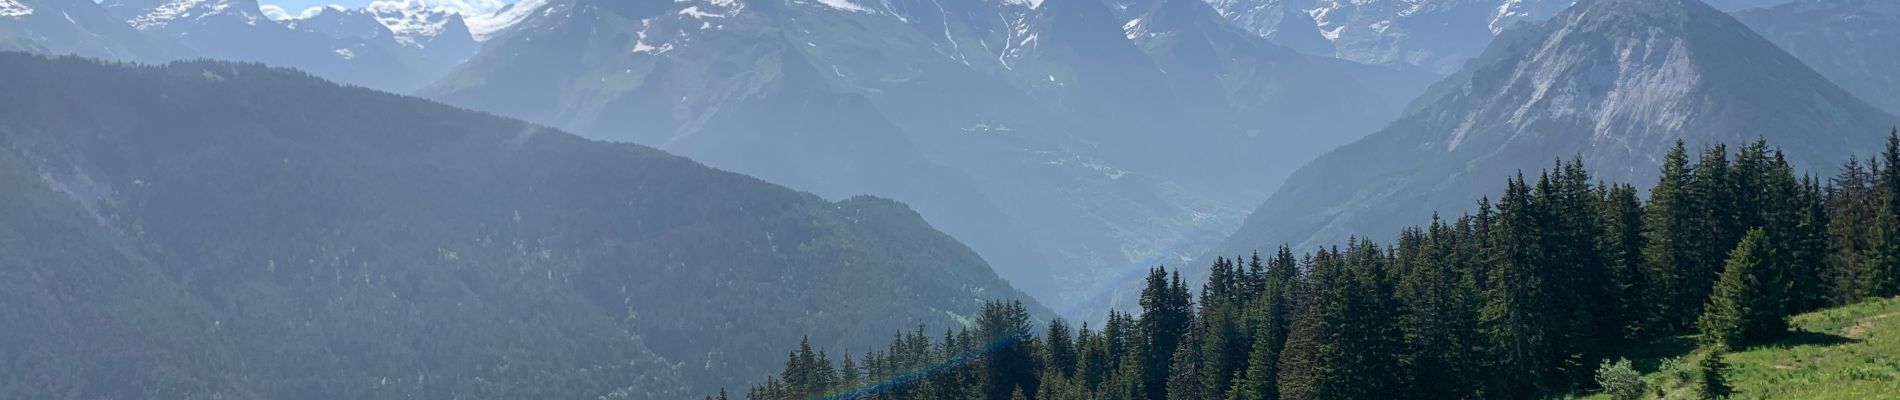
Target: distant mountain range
1854	42
206	230
1438	35
1070	142
1611	82
1067	140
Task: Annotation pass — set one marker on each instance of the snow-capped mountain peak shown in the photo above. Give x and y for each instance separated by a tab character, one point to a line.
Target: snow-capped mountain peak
488	24
13	8
164	13
418	22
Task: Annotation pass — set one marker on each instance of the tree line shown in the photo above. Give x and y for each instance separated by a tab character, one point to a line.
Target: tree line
1525	297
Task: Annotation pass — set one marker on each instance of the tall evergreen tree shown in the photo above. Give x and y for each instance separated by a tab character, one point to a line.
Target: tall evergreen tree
1440	318
1185	375
1517	313
1712	384
1010	365
1370	338
1669	255
1887	220
1311	358
1622	245
1855	266
1715	199
1167	312
1060	349
1268	319
1745	309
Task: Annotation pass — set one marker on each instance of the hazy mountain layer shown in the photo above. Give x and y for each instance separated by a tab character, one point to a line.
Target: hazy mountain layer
1055	142
1854	42
1613	82
205	229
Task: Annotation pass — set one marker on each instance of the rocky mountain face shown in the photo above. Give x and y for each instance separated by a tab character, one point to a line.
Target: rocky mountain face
1437	35
1856	43
238	30
78	27
1611	82
1049	135
428	41
365	225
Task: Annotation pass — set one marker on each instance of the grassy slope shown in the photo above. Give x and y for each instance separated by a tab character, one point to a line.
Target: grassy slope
1850	352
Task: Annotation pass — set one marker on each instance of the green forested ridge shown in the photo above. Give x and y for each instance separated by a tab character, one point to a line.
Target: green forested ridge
1527	297
216	230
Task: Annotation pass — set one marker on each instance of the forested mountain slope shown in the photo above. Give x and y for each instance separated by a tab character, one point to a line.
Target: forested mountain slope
1613	82
200	230
1536	295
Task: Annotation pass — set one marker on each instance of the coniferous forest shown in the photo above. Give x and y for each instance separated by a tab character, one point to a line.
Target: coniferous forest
1525	297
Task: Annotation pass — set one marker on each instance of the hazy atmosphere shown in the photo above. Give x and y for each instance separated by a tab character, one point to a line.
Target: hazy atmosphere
949	199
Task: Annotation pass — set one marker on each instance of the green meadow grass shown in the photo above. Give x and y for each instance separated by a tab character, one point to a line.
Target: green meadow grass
1847	353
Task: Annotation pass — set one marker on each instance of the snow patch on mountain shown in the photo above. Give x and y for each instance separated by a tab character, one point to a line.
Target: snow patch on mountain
415	22
487	25
163	15
846	5
13	8
278	13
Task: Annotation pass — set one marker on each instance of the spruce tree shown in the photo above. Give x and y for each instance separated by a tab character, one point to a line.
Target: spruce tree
1518	315
1259	380
1887	220
1745	309
1669	254
1370	341
1060	349
1309	366
1715	200
1010	365
1712	383
1268	319
1855	269
1441	313
1185	378
1167	314
1622	245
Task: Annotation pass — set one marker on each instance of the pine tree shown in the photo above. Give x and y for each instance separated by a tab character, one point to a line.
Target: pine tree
1167	314
1370	339
1622	245
1669	255
1011	364
1809	286
1441	315
1887	220
1744	309
1518	314
1061	352
1713	368
1310	361
1259	380
1854	267
1185	379
1269	320
1714	194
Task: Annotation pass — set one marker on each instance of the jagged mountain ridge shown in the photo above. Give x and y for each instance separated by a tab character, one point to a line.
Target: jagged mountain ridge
1611	82
1853	42
78	27
1438	35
